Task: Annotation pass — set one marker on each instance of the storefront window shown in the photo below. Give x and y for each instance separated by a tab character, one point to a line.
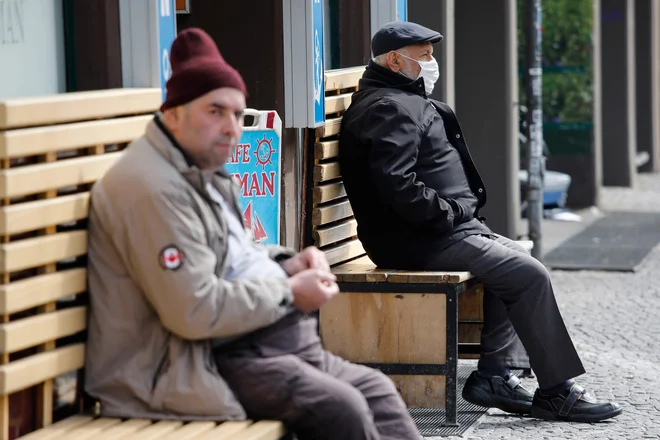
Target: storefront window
31	48
331	34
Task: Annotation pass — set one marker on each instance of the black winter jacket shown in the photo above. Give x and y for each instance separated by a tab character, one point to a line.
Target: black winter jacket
407	171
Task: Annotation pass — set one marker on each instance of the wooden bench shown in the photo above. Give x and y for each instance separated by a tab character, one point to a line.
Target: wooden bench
410	325
52	149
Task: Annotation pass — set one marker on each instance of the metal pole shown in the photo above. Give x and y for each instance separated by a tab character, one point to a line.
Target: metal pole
300	145
535	125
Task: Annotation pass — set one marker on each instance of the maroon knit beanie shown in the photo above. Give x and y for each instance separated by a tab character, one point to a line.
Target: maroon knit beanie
197	68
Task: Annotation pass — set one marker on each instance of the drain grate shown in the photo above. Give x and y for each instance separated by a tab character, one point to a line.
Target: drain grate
430	421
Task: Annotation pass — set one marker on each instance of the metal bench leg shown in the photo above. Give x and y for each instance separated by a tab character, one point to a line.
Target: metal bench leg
452	357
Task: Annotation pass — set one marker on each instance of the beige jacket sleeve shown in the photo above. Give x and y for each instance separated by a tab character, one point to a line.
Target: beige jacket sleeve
191	301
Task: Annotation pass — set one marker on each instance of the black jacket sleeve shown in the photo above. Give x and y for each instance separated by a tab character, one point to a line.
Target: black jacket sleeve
395	140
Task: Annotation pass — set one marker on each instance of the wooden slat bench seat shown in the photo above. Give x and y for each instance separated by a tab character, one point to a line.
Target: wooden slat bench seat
408	324
52	149
83	427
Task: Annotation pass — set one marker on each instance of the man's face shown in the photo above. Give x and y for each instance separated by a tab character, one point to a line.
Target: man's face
410	68
209	127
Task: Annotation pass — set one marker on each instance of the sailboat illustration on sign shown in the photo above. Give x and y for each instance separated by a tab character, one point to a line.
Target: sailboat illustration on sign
247	216
258	232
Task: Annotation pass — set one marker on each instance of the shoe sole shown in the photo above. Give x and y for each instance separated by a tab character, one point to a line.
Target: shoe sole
542	414
477	396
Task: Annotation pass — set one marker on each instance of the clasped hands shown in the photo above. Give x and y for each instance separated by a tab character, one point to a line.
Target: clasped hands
311	281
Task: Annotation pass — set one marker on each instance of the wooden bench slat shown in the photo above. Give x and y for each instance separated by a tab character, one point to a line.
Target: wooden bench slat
331	127
428	277
360	270
35	215
120	431
326	150
331	213
364	270
41	328
156	431
38	368
42	289
34	179
343	78
190	431
343	252
263	430
225	431
33	252
326	171
59	429
78	106
41	140
326	193
92	429
338	103
333	234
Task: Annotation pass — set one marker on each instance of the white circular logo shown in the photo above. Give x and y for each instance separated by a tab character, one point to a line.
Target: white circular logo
171	258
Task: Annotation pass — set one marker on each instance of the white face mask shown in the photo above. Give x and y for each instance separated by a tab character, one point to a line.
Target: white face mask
430	72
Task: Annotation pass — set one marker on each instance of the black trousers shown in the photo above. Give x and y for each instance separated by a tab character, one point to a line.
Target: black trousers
521	316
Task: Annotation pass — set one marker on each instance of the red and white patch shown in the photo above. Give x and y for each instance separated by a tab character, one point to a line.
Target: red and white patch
171	258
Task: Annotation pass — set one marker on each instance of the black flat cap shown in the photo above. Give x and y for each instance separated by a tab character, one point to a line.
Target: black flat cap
398	34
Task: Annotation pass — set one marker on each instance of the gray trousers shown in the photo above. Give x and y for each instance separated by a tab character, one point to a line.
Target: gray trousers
283	373
521	316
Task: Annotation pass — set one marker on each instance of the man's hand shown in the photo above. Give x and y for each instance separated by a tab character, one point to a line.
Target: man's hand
309	258
312	288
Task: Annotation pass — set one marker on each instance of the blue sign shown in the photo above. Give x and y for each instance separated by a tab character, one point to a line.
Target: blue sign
402	10
166	35
318	69
256	165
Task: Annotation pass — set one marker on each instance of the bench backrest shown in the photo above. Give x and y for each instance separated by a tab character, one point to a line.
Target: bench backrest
329	222
52	149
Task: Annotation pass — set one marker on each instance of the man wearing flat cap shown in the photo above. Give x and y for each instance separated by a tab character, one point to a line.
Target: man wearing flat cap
191	320
410	178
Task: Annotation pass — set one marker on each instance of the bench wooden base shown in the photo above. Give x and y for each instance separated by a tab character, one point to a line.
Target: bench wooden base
403	323
410	325
81	427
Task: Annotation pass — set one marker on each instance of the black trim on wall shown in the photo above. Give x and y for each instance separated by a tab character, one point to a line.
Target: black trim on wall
92	44
250	39
354	32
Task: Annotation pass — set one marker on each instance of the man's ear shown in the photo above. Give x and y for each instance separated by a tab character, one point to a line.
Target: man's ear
172	118
393	61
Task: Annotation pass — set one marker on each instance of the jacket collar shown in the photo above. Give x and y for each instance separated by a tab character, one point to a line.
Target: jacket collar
377	76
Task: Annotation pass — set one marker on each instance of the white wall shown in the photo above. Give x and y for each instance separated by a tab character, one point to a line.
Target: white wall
31	48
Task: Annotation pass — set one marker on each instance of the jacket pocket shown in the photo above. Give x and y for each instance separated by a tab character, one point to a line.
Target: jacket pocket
190	387
457	211
160	369
159	384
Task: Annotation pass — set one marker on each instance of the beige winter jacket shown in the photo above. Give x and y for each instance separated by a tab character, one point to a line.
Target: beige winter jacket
157	247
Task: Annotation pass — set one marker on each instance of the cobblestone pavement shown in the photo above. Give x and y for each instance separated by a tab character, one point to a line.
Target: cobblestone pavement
614	319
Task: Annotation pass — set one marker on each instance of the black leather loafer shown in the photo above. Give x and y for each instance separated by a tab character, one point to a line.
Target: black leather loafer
573	405
495	392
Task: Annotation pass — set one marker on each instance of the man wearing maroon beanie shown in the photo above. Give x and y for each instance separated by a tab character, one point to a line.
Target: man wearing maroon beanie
189	318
